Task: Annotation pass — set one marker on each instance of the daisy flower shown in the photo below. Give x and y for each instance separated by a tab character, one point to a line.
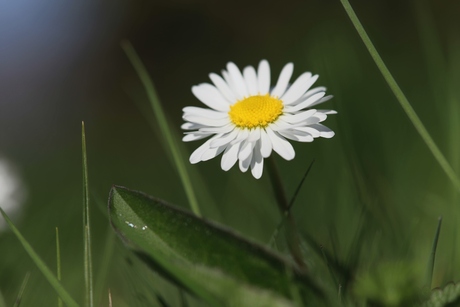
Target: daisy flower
247	119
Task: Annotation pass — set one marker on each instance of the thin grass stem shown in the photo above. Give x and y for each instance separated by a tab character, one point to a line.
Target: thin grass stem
17	303
88	262
163	124
410	112
58	262
105	262
292	234
55	283
434	247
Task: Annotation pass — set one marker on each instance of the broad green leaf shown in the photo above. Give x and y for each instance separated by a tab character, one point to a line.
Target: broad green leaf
212	262
447	296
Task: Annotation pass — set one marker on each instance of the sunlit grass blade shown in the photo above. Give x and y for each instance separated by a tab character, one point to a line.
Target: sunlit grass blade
163	124
88	263
66	298
17	303
410	112
434	247
58	262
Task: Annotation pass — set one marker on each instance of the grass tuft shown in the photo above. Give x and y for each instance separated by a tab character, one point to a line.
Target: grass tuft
55	283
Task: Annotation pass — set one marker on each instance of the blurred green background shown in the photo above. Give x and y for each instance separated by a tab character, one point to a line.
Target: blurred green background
61	63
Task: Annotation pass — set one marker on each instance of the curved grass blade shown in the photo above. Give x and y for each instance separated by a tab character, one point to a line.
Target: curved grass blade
163	124
433	253
410	112
66	298
58	262
214	263
88	262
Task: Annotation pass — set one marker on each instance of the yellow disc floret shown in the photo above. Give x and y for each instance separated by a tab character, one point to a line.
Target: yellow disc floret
256	111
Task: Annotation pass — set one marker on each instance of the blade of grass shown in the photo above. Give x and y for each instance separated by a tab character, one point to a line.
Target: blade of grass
105	262
2	300
410	112
58	262
88	262
433	253
162	123
67	299
21	290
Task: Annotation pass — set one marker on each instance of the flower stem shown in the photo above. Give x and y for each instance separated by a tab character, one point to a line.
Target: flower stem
292	235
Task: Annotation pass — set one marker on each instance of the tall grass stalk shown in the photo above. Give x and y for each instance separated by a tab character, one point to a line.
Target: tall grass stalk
87	258
66	298
58	262
17	303
163	124
434	247
410	112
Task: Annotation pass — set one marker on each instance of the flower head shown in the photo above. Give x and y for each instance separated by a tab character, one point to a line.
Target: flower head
247	119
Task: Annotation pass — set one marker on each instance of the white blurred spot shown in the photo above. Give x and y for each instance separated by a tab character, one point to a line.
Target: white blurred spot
12	192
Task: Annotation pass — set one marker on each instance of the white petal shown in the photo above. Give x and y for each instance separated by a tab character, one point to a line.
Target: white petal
223	87
229	157
263	76
210	96
299	117
245	150
257	163
204	112
193	136
280	145
206	121
281	123
221	129
315	133
283	80
237	79
242	135
212	153
266	144
327	112
298	88
191	126
225	139
195	157
244	164
231	85
254	135
324	99
296	137
304	104
324	131
250	78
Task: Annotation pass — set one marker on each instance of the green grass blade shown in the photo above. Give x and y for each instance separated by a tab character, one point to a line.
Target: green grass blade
163	124
58	262
105	264
2	300
66	298
21	290
433	253
88	263
410	112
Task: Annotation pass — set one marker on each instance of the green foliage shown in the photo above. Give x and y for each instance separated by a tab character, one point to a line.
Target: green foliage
214	263
390	284
449	296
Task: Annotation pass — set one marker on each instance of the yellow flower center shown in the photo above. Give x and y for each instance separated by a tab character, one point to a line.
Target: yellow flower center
256	111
